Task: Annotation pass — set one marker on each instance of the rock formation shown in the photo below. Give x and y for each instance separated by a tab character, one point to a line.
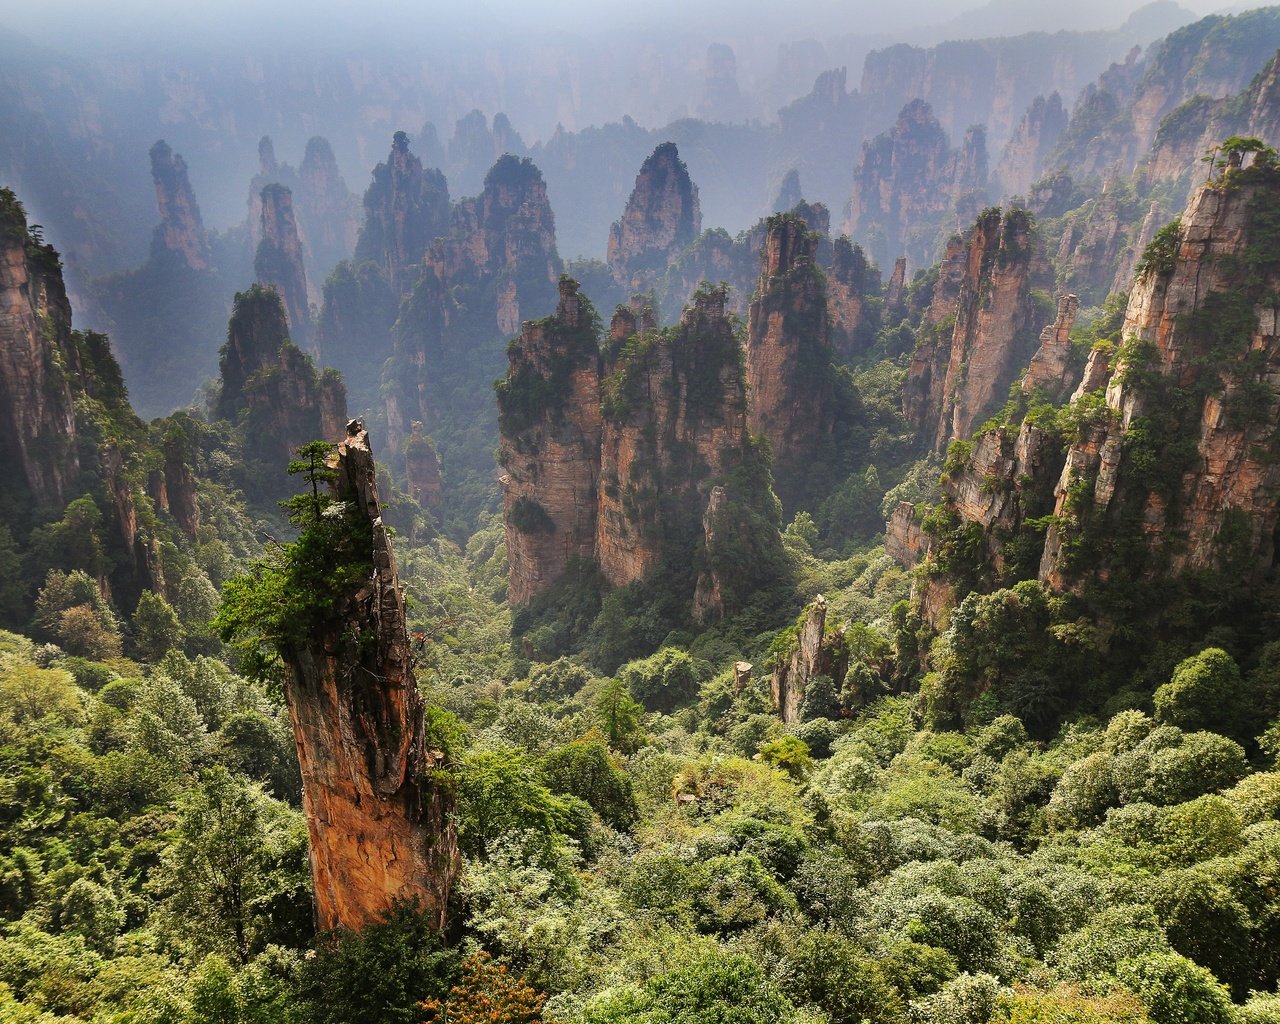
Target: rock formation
791	394
379	819
1053	367
497	266
815	652
328	212
273	383
675	418
662	218
910	186
549	417
506	235
38	362
789	193
405	208
1033	140
422	480
278	262
851	280
639	459
1182	471
181	230
997	317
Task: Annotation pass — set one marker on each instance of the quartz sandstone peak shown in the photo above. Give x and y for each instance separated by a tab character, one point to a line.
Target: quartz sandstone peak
662	217
788	354
550	454
181	230
278	263
38	362
1192	389
381	826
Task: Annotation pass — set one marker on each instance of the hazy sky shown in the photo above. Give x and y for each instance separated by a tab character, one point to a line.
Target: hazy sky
336	22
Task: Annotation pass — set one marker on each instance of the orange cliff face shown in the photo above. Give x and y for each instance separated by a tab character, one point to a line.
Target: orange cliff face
1186	461
381	829
788	353
988	284
37	406
550	452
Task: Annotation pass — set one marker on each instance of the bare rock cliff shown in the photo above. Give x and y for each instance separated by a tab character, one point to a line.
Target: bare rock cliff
381	826
38	361
662	217
1184	467
549	420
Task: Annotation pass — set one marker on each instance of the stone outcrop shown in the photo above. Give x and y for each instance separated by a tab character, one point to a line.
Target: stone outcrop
911	187
405	208
550	449
951	388
422	481
278	262
791	394
1053	367
180	498
496	266
273	384
380	820
851	280
180	230
996	321
675	418
506	234
1028	149
789	192
328	213
815	652
637	458
662	218
1184	466
904	537
38	361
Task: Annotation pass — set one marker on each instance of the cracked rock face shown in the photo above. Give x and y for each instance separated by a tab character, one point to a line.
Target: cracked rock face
1194	388
380	823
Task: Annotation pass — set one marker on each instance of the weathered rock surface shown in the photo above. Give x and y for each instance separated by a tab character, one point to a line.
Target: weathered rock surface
1033	140
851	280
1053	367
816	653
951	389
381	828
180	230
1184	466
273	383
422	468
38	361
637	458
662	217
791	398
911	187
278	262
405	208
550	450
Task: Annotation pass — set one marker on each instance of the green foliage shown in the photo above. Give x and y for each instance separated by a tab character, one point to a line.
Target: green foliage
715	989
282	602
379	976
